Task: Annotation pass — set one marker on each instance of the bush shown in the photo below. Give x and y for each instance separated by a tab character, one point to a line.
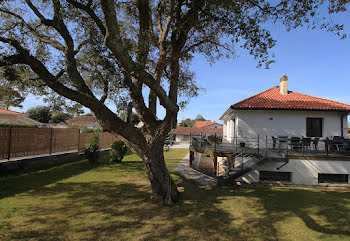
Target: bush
89	130
117	152
16	125
91	151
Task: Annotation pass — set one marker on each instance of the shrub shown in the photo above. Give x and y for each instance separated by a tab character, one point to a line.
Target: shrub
16	125
117	152
91	151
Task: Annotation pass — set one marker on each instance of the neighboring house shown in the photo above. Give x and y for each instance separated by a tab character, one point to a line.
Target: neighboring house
83	122
280	112
183	133
9	116
207	124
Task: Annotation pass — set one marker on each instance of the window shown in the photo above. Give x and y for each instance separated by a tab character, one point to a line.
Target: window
333	178
275	176
314	127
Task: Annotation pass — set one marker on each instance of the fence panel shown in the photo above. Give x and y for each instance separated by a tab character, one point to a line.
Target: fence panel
29	141
64	140
84	140
106	140
37	141
4	142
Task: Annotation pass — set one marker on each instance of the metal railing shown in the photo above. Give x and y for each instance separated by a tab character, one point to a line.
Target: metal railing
267	145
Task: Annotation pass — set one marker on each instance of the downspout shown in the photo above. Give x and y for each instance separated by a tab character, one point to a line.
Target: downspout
342	124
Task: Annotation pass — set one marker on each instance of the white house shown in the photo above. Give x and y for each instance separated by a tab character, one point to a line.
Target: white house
280	112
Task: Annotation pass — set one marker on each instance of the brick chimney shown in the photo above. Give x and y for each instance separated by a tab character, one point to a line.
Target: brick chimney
284	85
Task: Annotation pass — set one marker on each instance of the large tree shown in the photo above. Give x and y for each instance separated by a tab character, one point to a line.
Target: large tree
139	51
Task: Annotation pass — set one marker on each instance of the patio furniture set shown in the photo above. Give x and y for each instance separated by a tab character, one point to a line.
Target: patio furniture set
307	143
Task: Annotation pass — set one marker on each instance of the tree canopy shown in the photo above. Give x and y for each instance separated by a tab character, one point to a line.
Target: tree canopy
39	113
137	53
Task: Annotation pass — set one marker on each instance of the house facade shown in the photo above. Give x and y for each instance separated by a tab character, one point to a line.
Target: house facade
279	112
183	134
207	124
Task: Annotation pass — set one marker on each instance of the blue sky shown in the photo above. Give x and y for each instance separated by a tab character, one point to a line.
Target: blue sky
316	62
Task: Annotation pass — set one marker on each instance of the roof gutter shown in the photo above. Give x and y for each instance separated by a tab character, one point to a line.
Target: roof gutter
295	109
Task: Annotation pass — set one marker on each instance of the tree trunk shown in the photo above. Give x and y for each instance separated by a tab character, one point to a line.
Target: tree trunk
163	186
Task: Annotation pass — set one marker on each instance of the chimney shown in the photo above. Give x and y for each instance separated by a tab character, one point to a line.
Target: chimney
284	85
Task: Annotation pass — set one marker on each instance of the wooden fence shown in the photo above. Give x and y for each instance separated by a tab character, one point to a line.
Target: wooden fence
20	142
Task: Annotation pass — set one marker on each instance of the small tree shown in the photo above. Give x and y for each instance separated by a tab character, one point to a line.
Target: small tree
91	151
117	152
75	109
200	118
60	117
40	113
187	123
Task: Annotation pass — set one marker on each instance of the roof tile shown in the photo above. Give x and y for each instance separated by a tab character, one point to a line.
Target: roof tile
186	131
4	111
273	99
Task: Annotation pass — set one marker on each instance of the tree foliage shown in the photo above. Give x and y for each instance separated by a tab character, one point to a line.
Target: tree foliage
10	97
59	117
187	123
39	113
138	53
75	109
200	117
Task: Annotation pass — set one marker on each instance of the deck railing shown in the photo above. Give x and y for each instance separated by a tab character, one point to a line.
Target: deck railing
265	145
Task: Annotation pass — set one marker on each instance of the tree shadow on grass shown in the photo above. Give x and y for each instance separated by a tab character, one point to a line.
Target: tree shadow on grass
326	212
14	184
108	209
323	211
118	209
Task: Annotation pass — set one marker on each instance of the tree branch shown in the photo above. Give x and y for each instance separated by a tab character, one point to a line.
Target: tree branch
57	45
91	13
114	43
144	113
143	36
58	24
109	119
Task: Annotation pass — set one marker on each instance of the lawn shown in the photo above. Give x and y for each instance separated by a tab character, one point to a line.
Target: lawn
112	202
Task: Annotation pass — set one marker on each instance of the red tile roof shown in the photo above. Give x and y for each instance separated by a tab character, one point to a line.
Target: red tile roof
273	99
186	131
200	124
4	111
83	118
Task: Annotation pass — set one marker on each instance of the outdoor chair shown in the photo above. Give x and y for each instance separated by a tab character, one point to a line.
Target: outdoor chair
338	142
274	142
306	143
346	146
295	143
282	141
315	143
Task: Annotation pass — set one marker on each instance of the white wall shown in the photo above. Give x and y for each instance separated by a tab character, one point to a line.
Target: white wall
304	172
181	138
250	123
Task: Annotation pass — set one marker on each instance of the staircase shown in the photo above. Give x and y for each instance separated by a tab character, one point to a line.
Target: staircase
240	170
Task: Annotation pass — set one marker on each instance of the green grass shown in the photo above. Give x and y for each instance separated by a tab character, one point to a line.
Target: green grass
112	202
